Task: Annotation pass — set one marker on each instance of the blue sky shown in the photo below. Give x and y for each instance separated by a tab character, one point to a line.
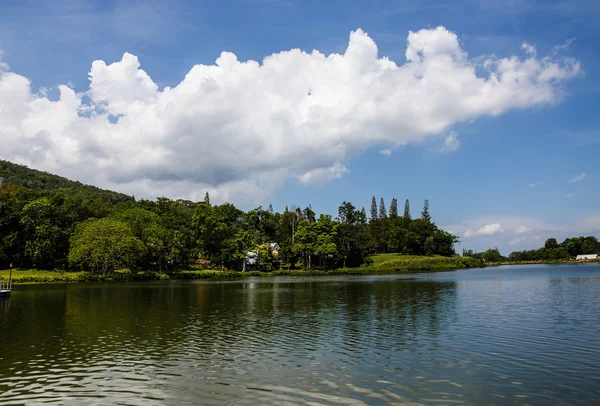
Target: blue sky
506	180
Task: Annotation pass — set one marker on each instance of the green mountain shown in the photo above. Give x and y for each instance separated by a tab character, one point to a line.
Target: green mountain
14	174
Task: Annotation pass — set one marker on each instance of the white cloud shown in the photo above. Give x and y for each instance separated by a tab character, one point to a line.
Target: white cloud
386	152
523	230
529	49
517	240
241	129
3	65
532	185
532	231
570	195
488	229
579	177
324	175
451	143
565	45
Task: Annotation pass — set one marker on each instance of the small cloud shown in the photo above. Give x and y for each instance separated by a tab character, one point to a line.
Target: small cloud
579	177
537	237
532	185
564	46
3	65
523	230
489	229
529	49
324	175
386	152
451	143
517	240
570	195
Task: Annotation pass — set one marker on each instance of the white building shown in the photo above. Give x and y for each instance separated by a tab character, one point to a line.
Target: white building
587	257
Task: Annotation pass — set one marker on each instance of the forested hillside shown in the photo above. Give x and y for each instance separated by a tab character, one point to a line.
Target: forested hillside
13	174
49	222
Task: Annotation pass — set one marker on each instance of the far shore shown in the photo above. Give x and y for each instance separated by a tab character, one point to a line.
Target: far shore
543	262
381	264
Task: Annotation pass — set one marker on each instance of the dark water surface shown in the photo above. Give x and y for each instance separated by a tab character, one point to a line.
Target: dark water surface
511	335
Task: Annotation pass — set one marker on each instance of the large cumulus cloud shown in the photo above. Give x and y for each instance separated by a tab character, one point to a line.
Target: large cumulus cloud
241	129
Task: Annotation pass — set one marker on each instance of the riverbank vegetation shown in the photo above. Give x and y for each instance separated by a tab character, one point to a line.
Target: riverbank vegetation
551	252
51	223
383	263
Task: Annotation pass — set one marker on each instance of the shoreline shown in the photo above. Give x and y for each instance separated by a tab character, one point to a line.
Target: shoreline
392	265
543	262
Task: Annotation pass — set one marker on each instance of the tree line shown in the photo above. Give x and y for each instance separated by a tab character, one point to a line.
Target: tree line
551	251
77	228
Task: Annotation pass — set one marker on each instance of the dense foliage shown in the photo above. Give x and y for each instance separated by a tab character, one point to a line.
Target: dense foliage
551	251
55	225
13	174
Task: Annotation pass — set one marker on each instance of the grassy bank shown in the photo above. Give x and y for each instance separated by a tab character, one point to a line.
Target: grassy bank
383	263
407	263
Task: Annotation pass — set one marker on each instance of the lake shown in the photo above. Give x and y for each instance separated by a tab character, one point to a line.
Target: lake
506	335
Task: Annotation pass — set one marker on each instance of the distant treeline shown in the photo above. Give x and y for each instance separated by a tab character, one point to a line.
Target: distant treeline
551	251
48	222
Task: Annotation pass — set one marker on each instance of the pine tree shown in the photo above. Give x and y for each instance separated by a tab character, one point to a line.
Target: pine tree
407	210
425	213
382	211
270	210
373	209
207	199
394	208
363	215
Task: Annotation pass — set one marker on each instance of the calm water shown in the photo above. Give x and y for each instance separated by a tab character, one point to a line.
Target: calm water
512	335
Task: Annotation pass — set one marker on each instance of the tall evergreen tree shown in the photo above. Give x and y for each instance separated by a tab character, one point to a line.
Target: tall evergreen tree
394	208
407	210
363	215
382	210
373	210
207	198
425	213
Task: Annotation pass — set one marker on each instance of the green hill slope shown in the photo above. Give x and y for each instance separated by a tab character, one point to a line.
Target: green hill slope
21	175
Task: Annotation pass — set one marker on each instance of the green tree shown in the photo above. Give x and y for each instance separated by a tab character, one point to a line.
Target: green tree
305	242
407	210
425	213
373	210
41	232
382	211
394	208
103	245
551	243
207	198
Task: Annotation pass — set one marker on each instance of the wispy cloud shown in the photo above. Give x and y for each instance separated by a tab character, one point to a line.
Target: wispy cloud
523	230
386	152
517	240
570	195
565	45
579	177
451	142
532	185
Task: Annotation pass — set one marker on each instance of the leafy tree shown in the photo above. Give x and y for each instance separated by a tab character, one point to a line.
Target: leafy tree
306	241
551	243
41	232
103	245
207	198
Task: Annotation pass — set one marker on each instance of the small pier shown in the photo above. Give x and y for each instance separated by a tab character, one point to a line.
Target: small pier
5	288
